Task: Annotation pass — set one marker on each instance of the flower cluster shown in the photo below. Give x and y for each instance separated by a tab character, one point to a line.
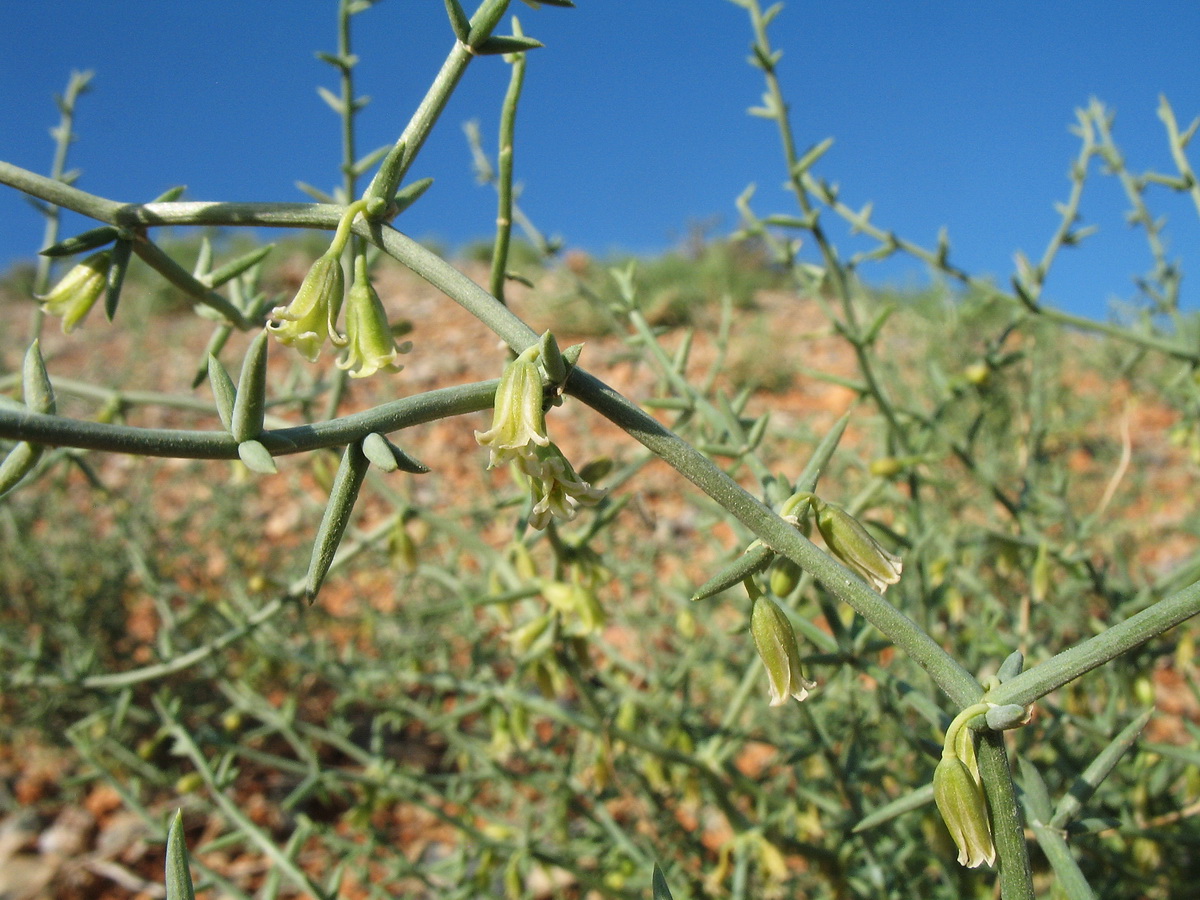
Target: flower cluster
311	318
518	436
847	540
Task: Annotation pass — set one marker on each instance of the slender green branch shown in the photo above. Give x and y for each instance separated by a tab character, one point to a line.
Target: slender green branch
766	60
59	431
349	550
1035	683
1016	877
1166	295
59	193
136	215
453	283
350	103
684	390
1070	211
1178	145
1149	341
426	115
150	254
836	272
167	667
1072	883
504	186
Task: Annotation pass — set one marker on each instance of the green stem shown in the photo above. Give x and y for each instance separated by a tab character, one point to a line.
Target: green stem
1175	141
1035	683
694	397
427	407
504	186
1070	212
113	680
834	268
58	193
150	254
987	288
1008	834
342	235
431	107
349	101
1071	881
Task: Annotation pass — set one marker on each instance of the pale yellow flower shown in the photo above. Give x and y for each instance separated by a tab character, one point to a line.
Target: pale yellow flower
518	420
311	318
776	642
370	345
850	542
558	491
75	295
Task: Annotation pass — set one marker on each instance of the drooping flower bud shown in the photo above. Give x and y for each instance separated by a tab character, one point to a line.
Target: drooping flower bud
850	542
311	318
370	344
961	802
518	421
74	296
776	642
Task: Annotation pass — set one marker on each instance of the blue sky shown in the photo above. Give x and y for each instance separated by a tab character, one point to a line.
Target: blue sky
632	124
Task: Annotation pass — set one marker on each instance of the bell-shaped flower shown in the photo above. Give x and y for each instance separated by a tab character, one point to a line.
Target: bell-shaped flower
776	642
850	542
961	802
311	318
74	296
370	345
557	490
518	420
